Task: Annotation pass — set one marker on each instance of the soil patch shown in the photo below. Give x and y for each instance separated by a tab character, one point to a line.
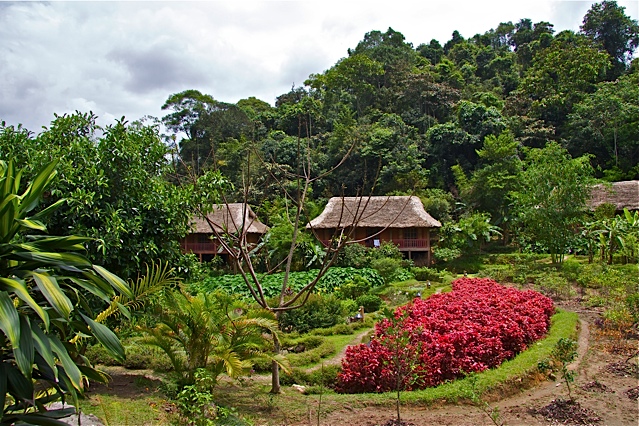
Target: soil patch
565	411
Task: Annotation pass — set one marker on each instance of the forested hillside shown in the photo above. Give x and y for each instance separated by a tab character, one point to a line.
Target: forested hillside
418	116
473	126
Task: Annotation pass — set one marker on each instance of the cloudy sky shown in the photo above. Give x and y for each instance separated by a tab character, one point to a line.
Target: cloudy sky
119	58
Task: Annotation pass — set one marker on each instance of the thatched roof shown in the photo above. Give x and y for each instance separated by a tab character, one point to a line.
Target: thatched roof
374	212
228	217
621	194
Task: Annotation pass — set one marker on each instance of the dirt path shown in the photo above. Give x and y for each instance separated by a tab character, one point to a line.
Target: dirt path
337	358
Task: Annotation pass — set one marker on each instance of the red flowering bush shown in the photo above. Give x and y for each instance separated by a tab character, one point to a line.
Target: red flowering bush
475	327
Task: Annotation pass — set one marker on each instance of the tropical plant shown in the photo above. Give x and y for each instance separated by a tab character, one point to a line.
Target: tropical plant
46	289
213	331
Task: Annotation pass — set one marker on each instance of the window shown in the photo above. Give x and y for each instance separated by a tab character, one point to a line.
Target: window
410	233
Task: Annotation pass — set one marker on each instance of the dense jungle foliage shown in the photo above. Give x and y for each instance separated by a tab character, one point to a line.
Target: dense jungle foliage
474	126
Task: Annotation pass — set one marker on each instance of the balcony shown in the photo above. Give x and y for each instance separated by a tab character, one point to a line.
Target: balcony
201	248
402	244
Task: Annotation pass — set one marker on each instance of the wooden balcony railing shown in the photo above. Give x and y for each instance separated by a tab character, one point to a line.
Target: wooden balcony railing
402	244
205	248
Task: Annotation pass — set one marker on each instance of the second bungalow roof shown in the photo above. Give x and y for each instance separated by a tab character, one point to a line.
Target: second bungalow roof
374	212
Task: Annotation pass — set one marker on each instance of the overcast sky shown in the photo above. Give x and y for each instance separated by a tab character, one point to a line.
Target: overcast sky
125	58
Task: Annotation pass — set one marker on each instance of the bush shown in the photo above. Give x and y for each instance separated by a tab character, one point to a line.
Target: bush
349	307
353	288
571	269
475	327
354	255
370	302
318	312
426	274
272	284
499	273
632	304
402	274
386	268
554	285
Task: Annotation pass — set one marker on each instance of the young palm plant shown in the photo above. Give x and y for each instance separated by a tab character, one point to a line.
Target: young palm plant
213	331
45	287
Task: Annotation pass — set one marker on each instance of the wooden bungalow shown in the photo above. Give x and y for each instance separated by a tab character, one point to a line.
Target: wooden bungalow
224	219
623	195
401	220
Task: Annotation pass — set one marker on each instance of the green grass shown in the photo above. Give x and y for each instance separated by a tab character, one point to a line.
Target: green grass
116	410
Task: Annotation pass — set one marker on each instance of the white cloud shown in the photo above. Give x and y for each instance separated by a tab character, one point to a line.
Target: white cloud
126	58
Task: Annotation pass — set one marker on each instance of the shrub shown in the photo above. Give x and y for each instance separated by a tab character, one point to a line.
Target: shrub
386	268
554	285
318	312
353	288
475	327
571	269
632	304
349	306
344	329
354	255
402	274
370	302
426	274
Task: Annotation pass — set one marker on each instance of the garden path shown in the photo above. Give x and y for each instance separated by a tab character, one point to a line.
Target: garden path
337	358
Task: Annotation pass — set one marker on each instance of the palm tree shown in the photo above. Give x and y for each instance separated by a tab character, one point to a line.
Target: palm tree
213	331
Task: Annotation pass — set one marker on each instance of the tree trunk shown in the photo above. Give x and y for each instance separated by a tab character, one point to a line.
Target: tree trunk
275	368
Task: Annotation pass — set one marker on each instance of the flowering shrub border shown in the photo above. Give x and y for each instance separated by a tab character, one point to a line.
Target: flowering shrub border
475	327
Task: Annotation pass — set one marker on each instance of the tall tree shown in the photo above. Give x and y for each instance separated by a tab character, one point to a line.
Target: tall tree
608	25
498	174
561	74
605	124
552	199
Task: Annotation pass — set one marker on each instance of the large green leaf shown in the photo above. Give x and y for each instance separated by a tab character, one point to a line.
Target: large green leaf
71	370
49	287
47	243
9	319
32	195
24	352
43	347
106	337
48	210
19	386
32	224
63	260
117	282
19	288
94	289
39	419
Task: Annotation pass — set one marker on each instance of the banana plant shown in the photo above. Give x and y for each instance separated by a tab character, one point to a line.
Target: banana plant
45	286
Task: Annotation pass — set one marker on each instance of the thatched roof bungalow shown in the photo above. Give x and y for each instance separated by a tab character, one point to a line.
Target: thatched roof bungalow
401	220
623	195
224	218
